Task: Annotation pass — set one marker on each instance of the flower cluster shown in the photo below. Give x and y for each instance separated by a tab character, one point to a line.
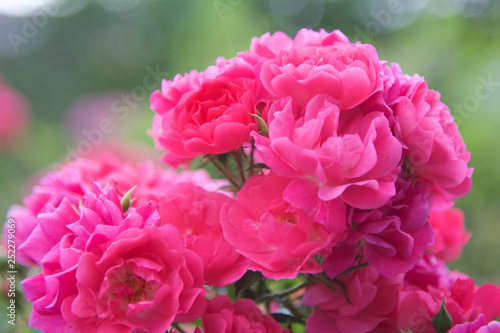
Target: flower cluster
344	172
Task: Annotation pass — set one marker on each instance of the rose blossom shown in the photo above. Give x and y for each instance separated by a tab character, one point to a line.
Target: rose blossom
206	113
321	63
270	46
243	315
365	301
114	271
478	326
75	179
449	233
196	214
423	294
394	237
280	239
352	156
434	148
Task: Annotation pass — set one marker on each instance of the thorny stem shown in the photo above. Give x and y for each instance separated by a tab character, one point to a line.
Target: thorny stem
228	176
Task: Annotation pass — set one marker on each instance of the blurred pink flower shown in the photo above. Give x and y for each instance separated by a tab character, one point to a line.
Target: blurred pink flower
223	316
450	235
14	115
91	117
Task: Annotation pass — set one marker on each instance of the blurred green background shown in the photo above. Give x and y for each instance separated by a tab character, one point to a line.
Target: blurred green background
98	52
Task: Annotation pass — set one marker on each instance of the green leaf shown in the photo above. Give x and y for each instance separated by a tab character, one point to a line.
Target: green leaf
284	318
264	130
247	281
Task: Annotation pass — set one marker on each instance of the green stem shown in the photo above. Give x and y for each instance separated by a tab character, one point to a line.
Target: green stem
286	292
177	327
237	159
324	280
251	157
223	172
354	268
344	290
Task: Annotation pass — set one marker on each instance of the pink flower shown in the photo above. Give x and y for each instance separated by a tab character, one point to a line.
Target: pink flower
114	271
365	301
478	326
464	301
14	116
434	148
280	239
242	316
431	272
351	155
206	113
196	214
321	63
449	233
94	117
394	237
73	181
276	45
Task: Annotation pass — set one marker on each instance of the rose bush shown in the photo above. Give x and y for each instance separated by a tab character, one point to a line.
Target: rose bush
333	211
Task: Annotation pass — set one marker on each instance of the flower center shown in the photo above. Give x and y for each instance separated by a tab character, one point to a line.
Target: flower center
282	211
132	288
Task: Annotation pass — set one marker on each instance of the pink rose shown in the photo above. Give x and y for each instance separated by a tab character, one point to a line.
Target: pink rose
69	185
477	326
434	148
394	237
196	214
88	114
350	155
449	233
463	300
279	239
206	113
242	316
14	116
365	301
431	272
114	271
321	63
270	46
